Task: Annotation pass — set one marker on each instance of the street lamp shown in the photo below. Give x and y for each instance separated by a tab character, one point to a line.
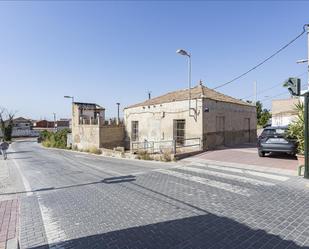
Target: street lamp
185	53
70	97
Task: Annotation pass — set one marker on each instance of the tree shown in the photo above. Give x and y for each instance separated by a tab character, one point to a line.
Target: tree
6	123
262	115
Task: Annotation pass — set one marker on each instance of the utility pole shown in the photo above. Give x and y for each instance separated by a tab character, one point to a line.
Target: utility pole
54	121
306	147
118	118
306	109
255	92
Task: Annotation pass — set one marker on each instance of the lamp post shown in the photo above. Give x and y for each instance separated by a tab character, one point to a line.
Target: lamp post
185	53
72	111
70	97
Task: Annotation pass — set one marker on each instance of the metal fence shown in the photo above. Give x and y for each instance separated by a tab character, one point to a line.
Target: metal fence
188	144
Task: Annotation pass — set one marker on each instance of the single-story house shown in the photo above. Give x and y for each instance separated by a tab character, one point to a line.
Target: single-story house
209	119
284	111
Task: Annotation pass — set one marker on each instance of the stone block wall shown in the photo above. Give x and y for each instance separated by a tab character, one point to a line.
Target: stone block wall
112	136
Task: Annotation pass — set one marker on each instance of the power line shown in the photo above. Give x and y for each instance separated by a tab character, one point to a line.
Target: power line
274	96
272	87
264	61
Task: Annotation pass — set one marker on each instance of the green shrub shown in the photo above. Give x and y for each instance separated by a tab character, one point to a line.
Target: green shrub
55	139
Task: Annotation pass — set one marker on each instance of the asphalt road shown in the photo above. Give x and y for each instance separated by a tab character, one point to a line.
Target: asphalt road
74	200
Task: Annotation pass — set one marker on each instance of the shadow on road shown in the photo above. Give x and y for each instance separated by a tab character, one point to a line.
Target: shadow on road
19	152
277	155
111	180
204	231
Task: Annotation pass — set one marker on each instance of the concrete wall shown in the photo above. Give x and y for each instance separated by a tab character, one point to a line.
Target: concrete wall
228	124
111	136
156	122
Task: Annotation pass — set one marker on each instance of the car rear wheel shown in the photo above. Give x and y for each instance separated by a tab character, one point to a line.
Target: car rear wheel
261	153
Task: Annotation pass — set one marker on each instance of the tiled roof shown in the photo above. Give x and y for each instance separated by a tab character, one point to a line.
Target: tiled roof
197	92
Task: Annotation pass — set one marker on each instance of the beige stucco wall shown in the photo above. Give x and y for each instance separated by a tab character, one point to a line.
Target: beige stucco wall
86	136
236	129
156	121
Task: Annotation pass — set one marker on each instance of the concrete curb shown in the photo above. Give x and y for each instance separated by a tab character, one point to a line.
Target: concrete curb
108	157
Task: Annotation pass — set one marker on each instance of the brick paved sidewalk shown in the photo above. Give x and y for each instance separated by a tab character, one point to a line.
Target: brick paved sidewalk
8	222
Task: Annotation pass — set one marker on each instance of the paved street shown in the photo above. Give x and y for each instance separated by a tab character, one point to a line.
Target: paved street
74	200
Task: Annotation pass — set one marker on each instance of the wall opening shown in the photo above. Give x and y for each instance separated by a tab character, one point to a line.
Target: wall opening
179	131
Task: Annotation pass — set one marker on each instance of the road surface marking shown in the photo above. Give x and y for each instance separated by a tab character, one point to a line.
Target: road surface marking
270	176
243	171
53	231
24	179
216	184
228	176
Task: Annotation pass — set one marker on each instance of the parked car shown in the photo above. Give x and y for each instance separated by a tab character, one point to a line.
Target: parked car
274	139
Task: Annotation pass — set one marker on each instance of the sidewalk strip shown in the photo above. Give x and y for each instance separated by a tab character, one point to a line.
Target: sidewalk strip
228	176
216	184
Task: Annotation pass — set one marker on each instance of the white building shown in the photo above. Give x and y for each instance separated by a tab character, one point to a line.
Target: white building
284	111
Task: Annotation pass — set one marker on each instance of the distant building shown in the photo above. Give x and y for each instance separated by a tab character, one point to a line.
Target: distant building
43	124
213	120
63	124
89	128
22	127
283	111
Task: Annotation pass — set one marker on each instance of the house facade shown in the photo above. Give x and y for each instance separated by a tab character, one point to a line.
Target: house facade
283	111
210	119
89	128
22	127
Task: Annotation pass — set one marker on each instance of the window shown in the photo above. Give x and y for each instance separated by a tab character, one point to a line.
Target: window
179	131
134	126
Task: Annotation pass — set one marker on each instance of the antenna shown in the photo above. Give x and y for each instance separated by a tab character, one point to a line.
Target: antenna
149	94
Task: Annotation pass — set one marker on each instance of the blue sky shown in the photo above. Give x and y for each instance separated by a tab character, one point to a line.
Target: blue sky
107	52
